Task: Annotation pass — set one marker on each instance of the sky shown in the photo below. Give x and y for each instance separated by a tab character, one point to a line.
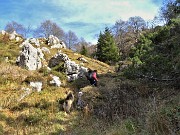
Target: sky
86	18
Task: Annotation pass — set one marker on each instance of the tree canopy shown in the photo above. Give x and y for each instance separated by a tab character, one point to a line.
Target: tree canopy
49	28
107	50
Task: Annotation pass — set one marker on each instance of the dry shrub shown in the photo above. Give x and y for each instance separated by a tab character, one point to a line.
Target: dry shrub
158	124
5	38
120	101
12	73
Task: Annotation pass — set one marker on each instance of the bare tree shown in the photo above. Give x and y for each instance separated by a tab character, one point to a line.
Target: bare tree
27	31
137	24
71	39
119	31
14	26
126	33
170	10
48	28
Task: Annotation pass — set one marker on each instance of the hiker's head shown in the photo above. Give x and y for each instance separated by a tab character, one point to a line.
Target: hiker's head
95	71
89	69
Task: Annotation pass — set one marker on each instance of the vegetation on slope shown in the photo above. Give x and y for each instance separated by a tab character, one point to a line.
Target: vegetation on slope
143	99
36	113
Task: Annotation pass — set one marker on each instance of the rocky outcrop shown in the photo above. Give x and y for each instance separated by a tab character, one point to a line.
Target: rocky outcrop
71	67
72	70
30	57
54	42
34	41
12	36
3	32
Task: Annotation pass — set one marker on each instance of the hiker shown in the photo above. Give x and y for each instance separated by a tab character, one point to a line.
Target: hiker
92	77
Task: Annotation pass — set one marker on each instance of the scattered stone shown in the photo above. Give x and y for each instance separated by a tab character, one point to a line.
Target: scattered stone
18	39
34	41
82	59
13	35
55	81
6	59
76	54
3	32
36	86
45	49
72	77
80	102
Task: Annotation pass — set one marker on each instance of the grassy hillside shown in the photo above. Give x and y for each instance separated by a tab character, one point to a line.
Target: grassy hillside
37	113
118	106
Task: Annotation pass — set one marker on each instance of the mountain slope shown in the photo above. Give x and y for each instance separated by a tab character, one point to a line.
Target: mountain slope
24	112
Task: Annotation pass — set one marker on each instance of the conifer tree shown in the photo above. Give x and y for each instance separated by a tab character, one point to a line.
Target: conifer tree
84	50
107	50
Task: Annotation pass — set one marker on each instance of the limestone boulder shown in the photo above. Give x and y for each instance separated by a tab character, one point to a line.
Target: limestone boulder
30	57
34	41
54	42
57	59
55	81
36	86
72	70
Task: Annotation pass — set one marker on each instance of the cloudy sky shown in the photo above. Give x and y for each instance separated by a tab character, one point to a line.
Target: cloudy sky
84	17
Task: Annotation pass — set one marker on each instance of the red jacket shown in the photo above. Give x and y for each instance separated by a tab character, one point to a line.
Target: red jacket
94	76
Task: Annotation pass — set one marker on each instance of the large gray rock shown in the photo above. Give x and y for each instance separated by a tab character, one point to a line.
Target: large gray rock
72	77
30	57
54	42
57	59
72	70
71	67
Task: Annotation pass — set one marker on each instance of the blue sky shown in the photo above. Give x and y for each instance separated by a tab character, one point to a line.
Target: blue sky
84	17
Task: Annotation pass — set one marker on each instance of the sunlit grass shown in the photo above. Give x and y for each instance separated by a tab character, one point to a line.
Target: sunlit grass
42	112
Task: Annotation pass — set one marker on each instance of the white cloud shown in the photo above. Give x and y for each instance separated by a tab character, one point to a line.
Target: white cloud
107	11
101	12
85	17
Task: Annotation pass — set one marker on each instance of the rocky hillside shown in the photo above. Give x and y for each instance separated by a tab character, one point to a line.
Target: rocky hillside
35	73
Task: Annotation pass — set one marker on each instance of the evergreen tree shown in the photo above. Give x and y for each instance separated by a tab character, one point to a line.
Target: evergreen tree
107	50
84	50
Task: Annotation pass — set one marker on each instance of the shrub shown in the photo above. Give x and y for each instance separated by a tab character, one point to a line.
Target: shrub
34	78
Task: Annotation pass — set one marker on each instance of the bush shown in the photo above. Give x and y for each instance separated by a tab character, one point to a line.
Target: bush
156	53
34	78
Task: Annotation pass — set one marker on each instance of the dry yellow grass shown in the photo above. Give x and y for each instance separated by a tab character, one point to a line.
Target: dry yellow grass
36	113
41	113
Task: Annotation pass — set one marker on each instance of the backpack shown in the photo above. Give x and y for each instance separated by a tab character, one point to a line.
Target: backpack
90	75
